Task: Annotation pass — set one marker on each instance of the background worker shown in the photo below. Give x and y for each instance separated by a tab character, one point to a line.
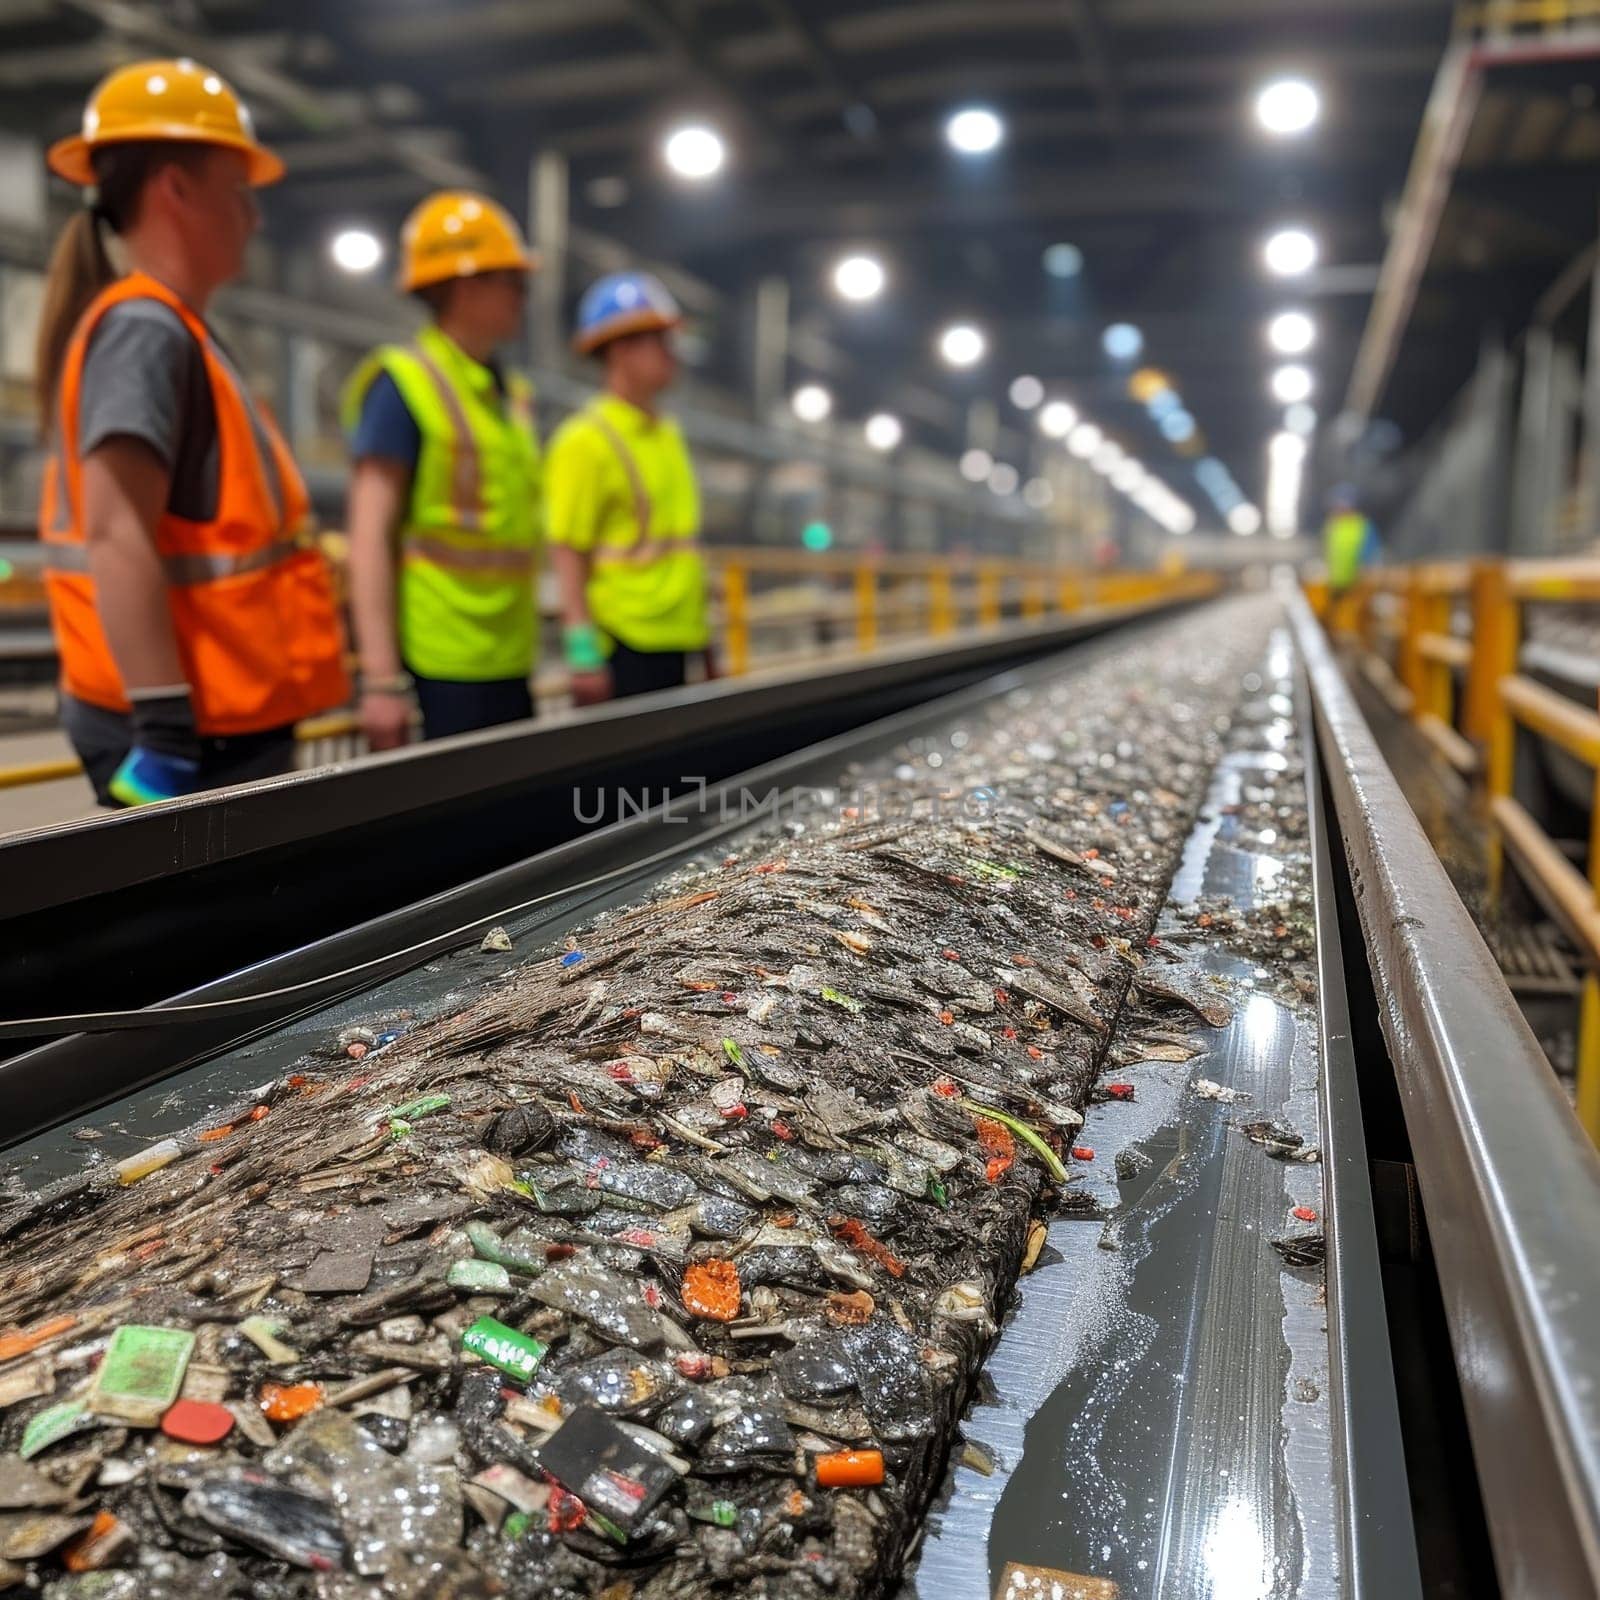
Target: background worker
195	623
444	513
1349	541
622	508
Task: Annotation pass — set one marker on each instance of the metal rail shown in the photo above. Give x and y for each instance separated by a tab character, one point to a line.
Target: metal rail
1510	1183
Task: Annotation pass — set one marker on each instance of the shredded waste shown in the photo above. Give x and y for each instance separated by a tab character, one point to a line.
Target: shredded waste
667	1266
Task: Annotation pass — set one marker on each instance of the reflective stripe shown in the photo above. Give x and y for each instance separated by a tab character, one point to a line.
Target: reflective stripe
476	558
182	571
643	510
467	498
643	553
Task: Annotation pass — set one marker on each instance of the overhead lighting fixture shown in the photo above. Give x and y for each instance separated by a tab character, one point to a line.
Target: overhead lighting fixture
1063	261
1057	419
859	278
1129	477
812	403
356	250
1084	440
1003	478
1286	454
1288	106
962	345
1026	393
1038	493
974	131
1107	458
1122	341
1290	252
1178	426
976	466
1245	519
883	431
1300	419
1291	333
1291	384
695	152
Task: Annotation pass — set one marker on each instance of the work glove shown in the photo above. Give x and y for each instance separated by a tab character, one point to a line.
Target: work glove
165	759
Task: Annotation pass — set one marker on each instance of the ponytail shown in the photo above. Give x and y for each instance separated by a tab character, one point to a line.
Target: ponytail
79	270
79	266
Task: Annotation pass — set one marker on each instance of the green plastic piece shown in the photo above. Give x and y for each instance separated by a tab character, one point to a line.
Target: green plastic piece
991	869
730	1048
414	1110
52	1424
833	997
938	1194
492	1247
142	1372
724	1513
512	1352
479	1277
516	1525
1051	1160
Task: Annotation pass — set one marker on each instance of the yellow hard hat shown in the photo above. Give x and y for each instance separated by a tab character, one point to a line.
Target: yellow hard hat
180	101
458	234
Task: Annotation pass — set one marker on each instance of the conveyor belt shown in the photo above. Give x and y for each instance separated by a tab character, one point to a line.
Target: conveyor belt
1171	1417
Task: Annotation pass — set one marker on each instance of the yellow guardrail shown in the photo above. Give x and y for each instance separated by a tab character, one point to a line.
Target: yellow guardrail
857	602
1414	608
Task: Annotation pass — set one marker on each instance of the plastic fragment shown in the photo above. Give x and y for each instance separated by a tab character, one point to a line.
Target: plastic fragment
996	1138
107	1537
572	958
415	1110
1304	1214
262	1332
711	1290
496	939
151	1159
617	1478
1083	1152
21	1342
141	1373
1051	1160
289	1402
853	1232
301	1529
834	997
53	1424
850	1469
1120	1091
512	1352
197	1422
730	1048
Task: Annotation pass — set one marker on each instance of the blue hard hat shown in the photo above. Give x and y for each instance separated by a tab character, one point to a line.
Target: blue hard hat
623	302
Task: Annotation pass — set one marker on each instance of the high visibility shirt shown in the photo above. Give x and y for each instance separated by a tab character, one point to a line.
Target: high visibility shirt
1347	540
257	630
619	484
467	597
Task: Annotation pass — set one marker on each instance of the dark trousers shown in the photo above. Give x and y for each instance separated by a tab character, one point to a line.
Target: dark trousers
645	671
449	706
102	738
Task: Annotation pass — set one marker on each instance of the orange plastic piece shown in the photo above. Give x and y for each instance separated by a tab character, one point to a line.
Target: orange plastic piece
854	1233
211	1135
850	1310
197	1422
850	1469
996	1138
711	1290
288	1402
21	1342
81	1555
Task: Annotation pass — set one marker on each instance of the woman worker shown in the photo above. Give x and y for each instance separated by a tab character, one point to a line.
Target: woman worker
195	622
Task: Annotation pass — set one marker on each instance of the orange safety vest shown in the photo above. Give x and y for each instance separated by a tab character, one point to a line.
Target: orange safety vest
258	632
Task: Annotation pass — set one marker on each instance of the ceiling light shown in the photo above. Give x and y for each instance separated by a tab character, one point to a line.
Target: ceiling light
695	152
1063	261
1122	341
1038	493
883	431
1178	426
1291	333
1292	384
1289	105
1286	455
860	277
1003	478
356	250
812	403
975	131
1245	519
1026	393
962	345
976	465
1057	419
1129	477
1107	458
1084	440
1290	252
1300	419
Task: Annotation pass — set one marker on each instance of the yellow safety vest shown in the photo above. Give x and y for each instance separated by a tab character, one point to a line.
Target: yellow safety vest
619	484
467	586
1344	542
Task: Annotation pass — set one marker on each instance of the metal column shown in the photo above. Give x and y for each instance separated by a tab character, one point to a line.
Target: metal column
548	214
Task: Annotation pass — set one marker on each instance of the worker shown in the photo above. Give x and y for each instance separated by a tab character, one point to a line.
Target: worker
622	508
195	622
1349	541
444	512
